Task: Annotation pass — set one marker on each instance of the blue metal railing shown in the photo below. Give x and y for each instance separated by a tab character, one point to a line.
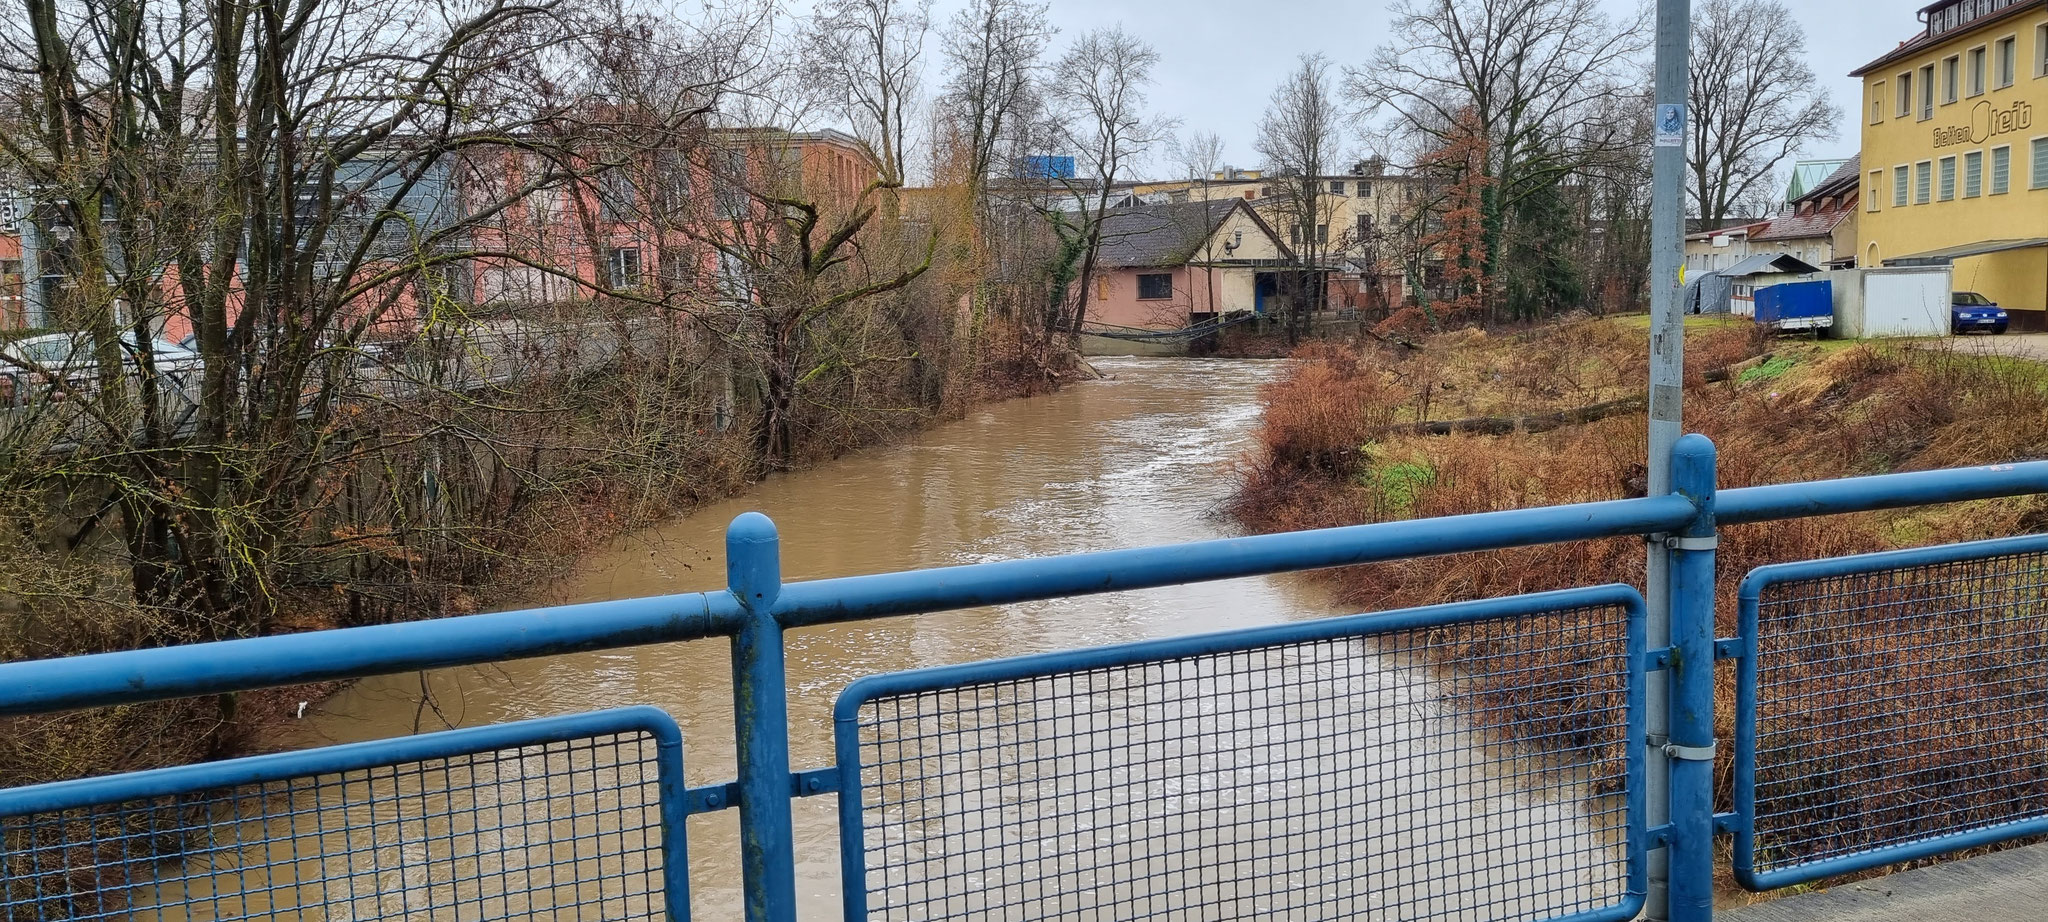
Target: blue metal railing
1890	708
1304	770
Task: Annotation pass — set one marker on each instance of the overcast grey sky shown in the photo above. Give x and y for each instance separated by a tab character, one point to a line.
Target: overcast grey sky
1220	61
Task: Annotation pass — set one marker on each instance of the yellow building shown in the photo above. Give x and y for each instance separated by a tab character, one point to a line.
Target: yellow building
1955	164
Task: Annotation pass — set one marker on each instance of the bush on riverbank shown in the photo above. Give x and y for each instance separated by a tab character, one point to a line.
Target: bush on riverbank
1339	445
453	503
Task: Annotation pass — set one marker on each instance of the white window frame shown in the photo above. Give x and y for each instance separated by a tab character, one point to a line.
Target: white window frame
1973	187
1925	103
1902	185
1945	179
1951	79
2041	51
1923	182
2037	166
1906	101
616	274
2003	77
1876	193
1980	70
1877	103
1998	187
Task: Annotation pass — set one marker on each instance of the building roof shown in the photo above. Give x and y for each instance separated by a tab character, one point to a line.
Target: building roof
1740	227
1806	174
1812	215
1769	264
1946	255
1168	234
1927	37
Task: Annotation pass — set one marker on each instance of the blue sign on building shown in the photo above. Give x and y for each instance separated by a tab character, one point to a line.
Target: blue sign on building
1045	166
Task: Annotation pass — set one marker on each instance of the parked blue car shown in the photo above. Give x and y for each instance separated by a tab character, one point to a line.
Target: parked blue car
1970	311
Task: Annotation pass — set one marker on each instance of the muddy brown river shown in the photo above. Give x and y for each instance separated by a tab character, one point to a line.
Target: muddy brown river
1141	458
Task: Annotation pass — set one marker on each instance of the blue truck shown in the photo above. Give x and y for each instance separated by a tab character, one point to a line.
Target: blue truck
1796	306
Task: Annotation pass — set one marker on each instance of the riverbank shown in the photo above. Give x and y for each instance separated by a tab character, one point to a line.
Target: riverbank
1473	422
546	472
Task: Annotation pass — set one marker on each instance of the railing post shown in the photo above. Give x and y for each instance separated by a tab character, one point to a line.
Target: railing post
1691	746
753	571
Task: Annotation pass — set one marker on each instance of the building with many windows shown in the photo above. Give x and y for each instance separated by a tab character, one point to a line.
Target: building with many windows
1955	165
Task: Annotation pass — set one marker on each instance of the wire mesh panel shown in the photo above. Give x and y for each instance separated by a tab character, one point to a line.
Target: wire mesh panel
1471	762
566	818
1892	706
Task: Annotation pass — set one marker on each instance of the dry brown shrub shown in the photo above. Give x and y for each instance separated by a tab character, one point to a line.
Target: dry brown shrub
1864	409
1325	409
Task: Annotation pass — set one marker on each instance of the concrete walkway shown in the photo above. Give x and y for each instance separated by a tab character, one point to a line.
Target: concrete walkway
2018	345
2007	886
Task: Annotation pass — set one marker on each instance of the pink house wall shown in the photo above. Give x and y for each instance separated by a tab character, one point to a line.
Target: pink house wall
1115	299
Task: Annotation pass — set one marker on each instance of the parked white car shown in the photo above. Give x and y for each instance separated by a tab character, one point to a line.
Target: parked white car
65	364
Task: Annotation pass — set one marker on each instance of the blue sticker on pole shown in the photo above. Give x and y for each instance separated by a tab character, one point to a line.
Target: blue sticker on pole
1671	125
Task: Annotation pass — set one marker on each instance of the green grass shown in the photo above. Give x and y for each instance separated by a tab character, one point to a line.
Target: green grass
1771	370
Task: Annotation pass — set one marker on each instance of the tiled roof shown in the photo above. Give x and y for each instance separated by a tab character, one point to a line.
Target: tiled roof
1160	235
1820	223
1842	184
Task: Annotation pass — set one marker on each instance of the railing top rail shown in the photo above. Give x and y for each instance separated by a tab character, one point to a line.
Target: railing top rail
1884	491
1009	581
235	665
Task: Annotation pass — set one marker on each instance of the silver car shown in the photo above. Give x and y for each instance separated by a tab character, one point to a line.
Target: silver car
64	364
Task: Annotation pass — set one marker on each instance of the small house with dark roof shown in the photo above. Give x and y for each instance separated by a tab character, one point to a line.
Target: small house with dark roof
1170	266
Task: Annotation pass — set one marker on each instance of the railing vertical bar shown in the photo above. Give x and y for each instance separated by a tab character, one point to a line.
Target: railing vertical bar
761	717
1691	757
675	815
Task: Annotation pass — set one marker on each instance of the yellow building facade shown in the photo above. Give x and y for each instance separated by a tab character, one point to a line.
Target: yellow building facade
1955	152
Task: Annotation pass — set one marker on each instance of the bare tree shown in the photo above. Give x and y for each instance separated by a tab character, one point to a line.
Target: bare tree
1530	72
993	51
1754	102
1300	138
1097	102
1200	157
865	56
297	183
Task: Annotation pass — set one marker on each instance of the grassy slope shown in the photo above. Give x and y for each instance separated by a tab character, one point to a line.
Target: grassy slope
1789	410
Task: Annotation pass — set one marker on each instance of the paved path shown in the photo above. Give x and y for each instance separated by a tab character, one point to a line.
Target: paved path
2020	345
2007	886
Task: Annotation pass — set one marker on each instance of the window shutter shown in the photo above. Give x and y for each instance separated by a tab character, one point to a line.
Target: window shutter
2041	163
2001	170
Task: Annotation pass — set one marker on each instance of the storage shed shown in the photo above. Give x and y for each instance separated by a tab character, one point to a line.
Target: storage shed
1761	271
1892	302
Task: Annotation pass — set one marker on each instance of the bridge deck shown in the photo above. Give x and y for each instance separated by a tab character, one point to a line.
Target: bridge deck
2008	885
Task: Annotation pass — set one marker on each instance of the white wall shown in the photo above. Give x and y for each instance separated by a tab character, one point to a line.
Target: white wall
1891	302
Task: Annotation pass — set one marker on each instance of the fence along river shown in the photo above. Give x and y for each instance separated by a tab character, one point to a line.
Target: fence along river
1141	458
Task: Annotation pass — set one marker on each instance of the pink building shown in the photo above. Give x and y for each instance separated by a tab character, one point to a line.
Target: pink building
1165	267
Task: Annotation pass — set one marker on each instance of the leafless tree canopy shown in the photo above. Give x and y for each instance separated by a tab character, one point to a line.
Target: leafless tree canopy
866	56
1531	72
1097	110
1754	103
1301	139
994	50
